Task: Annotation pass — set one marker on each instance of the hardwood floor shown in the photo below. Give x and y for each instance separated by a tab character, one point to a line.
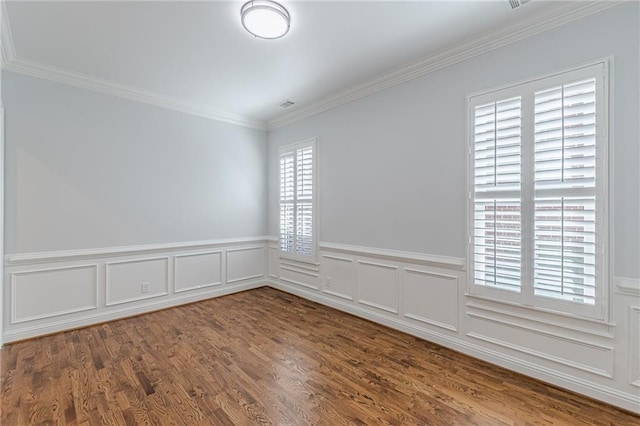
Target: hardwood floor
267	357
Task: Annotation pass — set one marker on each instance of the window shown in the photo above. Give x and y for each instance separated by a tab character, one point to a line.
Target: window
298	200
538	180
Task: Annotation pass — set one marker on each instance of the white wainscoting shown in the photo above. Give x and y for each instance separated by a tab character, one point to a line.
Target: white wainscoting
197	270
57	291
433	298
634	343
420	294
339	276
299	273
575	353
425	295
35	293
245	263
126	278
273	260
378	285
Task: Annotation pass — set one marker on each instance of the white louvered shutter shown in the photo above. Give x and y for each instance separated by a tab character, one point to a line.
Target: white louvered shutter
538	221
565	192
304	197
497	240
287	202
297	200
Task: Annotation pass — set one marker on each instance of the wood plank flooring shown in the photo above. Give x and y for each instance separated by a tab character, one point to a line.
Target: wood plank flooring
267	357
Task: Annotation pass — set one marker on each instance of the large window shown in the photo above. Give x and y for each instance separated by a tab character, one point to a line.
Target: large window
538	180
298	200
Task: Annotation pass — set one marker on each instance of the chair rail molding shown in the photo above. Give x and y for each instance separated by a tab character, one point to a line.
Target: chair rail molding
63	290
70	255
425	295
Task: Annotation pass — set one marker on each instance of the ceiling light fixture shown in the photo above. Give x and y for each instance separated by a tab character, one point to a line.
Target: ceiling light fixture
265	19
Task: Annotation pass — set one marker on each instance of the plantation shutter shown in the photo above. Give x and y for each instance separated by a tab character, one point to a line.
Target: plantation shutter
297	199
565	192
497	168
304	196
287	203
538	192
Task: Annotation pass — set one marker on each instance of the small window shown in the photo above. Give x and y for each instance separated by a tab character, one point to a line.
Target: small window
538	177
298	200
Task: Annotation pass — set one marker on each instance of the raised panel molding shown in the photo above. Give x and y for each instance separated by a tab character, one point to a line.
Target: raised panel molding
470	346
550	325
634	342
125	278
286	267
273	262
107	286
298	282
558	360
378	285
577	353
245	263
53	292
201	270
339	276
557	367
295	276
431	298
587	356
540	318
83	319
300	273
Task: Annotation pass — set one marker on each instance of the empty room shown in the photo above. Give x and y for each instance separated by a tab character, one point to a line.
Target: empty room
320	212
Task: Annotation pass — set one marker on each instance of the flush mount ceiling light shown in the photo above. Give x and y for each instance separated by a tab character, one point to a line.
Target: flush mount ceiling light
265	19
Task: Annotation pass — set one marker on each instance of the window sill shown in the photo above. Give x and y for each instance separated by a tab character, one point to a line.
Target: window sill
298	261
551	312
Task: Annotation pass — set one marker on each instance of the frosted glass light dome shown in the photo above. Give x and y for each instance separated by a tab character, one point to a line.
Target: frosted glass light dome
265	19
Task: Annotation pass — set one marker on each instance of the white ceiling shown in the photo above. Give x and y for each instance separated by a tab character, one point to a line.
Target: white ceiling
198	54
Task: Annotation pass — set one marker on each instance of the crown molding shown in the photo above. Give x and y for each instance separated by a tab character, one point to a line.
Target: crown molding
89	82
6	37
553	18
12	62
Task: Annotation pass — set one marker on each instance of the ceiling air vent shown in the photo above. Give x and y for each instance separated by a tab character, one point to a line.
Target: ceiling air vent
517	3
285	104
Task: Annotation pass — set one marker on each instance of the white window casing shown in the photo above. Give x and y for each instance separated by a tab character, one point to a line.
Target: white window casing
538	198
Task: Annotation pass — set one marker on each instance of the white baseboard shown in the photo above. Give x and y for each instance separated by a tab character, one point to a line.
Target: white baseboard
422	295
101	317
51	292
607	394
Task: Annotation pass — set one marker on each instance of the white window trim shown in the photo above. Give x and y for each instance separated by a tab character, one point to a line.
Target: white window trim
601	311
313	259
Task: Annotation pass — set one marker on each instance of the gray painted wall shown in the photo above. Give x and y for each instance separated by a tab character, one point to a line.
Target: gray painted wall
392	165
87	170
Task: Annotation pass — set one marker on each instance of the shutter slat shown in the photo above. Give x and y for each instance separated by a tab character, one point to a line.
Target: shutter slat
296	201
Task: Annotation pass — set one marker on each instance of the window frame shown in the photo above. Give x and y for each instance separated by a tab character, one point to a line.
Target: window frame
293	148
526	90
